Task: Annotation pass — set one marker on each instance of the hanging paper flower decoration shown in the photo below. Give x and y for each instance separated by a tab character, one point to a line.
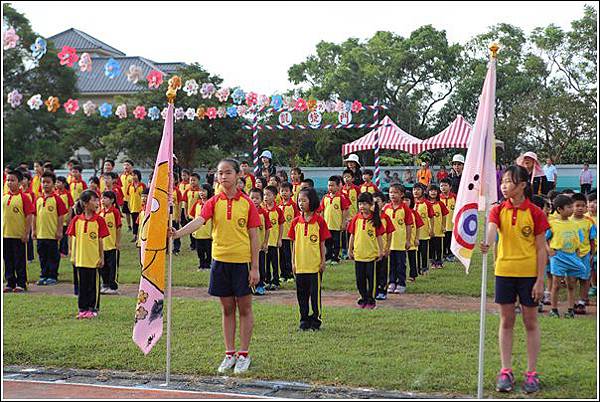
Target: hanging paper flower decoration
39	48
347	106
139	112
52	104
356	106
241	110
10	38
71	106
134	74
311	104
232	111
321	107
251	98
221	112
68	56
35	102
105	110
200	112
179	114
190	113
15	98
154	78
175	82
301	105
89	108
263	101
277	102
208	90
339	106
112	68
85	63
163	114
154	113
211	113
190	87
121	111
222	94
330	106
238	96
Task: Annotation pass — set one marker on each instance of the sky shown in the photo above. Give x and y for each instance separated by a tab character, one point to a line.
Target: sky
253	45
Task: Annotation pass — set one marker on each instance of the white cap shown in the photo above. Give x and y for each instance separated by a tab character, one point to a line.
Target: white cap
266	154
353	158
458	158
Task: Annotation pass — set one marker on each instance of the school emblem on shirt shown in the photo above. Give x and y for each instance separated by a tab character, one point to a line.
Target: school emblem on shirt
400	222
241	222
526	231
16	210
273	222
437	214
313	238
50	208
336	206
93	235
370	233
109	224
288	218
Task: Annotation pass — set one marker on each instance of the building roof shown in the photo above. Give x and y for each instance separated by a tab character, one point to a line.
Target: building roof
95	82
82	42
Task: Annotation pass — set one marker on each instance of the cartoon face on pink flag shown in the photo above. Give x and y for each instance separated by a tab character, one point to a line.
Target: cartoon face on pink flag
478	184
149	310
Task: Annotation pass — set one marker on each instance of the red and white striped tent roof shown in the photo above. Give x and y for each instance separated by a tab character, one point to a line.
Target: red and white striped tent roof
456	135
390	137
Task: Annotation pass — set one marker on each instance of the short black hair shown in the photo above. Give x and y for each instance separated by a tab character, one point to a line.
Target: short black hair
25	175
552	194
71	161
379	194
579	197
276	178
50	175
77	167
538	201
591	197
310	182
17	173
257	191
562	201
568	191
446	180
63	180
397	186
408	196
272	189
185	171
233	162
129	161
368	172
244	163
95	180
111	195
313	198
196	175
421	186
138	174
348	171
287	185
335	179
112	163
209	190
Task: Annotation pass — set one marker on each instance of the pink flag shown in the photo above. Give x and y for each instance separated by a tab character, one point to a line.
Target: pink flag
478	184
153	231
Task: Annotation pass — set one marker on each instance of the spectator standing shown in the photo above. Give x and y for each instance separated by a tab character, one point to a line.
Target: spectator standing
458	164
586	179
353	163
551	176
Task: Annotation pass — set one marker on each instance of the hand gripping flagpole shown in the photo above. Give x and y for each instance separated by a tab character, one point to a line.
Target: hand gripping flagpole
174	85
484	265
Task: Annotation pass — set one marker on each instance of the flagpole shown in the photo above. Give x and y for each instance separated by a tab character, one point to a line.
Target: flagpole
171	94
484	266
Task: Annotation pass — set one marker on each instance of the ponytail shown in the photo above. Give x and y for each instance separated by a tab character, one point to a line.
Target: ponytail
79	207
84	198
376	216
368	198
518	175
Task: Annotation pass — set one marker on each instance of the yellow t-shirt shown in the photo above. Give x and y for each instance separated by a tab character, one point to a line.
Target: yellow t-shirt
88	233
276	218
190	197
351	192
366	247
332	208
135	197
48	209
112	217
565	236
425	210
439	211
307	237
205	232
126	180
588	228
290	211
450	203
15	209
77	187
401	217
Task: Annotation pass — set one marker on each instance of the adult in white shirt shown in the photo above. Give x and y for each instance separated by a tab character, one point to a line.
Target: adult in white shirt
551	176
586	179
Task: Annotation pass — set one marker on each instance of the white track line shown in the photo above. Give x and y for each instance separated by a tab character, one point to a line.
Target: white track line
145	389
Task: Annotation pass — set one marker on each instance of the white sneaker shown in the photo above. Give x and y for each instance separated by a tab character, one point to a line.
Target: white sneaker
242	365
391	288
110	291
227	364
103	290
401	289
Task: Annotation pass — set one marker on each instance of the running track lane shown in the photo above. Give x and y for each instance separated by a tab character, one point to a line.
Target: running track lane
22	389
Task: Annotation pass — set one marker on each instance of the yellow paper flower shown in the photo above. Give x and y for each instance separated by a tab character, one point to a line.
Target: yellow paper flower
52	104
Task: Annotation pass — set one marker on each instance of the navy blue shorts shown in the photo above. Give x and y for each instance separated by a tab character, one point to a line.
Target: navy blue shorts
508	288
126	207
229	279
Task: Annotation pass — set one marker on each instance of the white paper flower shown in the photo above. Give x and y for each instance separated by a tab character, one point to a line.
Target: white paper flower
35	102
191	87
89	108
190	113
121	111
134	74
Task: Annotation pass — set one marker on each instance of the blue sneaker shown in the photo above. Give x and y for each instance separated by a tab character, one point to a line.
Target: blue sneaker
260	291
592	291
380	296
51	281
42	282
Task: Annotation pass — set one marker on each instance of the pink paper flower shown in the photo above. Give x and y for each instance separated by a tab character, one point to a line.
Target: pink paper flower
211	113
356	106
15	98
71	106
85	63
68	56
242	110
10	38
251	98
121	111
339	106
89	108
301	105
155	78
222	94
139	112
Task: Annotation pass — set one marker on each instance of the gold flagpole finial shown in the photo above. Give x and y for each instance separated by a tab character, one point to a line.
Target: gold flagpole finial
174	85
494	47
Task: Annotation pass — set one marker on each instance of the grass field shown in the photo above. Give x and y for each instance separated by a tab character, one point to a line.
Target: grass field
418	351
449	281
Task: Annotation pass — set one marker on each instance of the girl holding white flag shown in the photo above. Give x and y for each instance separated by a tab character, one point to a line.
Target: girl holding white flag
520	267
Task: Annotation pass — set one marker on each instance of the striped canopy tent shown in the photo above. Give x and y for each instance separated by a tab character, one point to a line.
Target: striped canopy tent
389	135
456	135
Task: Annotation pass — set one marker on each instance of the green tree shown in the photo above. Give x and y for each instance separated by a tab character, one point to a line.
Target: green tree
32	134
